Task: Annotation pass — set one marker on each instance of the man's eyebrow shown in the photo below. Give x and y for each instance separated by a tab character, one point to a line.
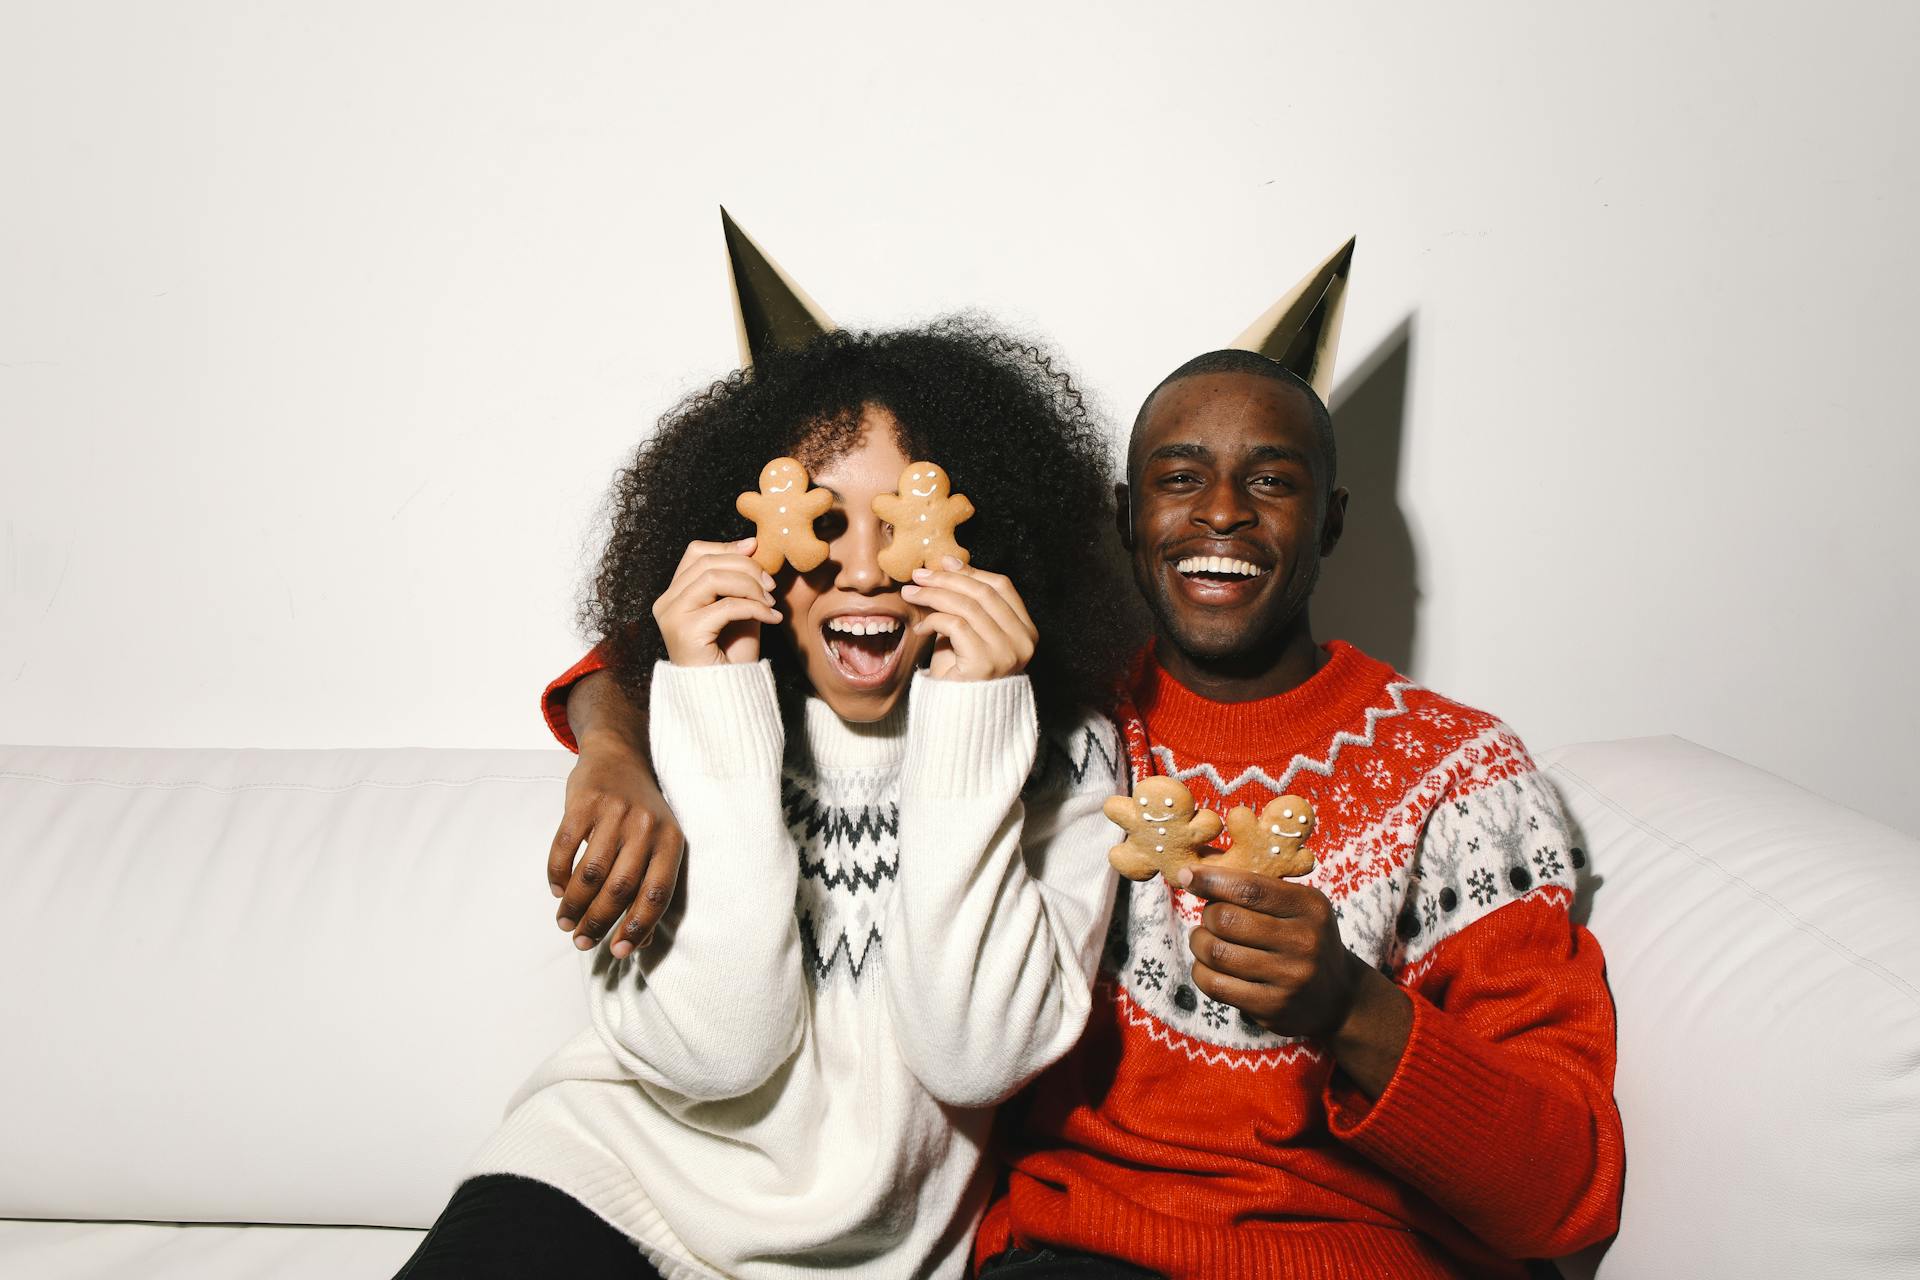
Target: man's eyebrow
1181	450
1276	453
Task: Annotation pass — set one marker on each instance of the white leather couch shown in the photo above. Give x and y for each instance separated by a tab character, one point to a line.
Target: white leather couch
248	988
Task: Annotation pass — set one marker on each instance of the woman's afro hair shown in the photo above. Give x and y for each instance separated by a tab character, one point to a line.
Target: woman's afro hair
1007	424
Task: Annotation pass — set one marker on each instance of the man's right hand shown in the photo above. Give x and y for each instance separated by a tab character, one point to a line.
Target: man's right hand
633	849
614	808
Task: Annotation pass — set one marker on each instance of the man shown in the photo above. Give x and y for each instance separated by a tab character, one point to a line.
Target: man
1401	1066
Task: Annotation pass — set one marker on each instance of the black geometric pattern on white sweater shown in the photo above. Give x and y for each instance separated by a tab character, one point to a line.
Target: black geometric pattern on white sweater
846	837
812	821
852	875
819	966
1065	765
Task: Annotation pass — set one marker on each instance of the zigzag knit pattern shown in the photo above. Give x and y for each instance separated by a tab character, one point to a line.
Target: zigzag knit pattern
1065	764
813	821
1323	766
847	836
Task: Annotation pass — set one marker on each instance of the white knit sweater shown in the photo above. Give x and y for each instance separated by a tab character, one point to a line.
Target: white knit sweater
870	947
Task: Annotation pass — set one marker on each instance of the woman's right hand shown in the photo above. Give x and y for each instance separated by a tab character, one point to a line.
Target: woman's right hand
712	611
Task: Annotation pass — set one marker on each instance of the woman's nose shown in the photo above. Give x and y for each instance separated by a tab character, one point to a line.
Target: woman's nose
857	554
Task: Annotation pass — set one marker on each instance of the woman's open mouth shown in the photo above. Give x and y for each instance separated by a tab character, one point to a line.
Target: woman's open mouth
864	648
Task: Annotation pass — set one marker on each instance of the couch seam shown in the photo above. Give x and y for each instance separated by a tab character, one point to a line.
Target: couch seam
11	775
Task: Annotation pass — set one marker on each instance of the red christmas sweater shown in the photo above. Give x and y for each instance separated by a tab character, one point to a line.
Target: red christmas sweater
1180	1137
1183	1138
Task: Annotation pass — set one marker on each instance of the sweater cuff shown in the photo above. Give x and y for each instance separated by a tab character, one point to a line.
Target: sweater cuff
968	737
553	702
722	721
1443	1099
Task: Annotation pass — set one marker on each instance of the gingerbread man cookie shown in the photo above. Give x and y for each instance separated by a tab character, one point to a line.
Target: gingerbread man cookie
923	517
783	513
1269	843
1162	828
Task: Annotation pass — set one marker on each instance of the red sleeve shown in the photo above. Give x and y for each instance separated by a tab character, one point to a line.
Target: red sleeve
1501	1109
553	703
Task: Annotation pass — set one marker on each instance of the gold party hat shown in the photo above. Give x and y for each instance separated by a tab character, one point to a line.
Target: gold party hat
1302	330
770	311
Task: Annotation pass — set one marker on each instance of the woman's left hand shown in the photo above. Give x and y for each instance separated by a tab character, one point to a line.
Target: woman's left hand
980	623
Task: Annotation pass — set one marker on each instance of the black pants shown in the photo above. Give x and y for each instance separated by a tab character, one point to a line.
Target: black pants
1058	1264
499	1227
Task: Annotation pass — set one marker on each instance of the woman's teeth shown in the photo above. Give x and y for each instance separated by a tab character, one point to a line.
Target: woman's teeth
863	626
1219	564
864	648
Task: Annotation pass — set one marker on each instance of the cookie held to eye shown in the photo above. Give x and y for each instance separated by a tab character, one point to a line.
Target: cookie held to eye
923	515
783	512
1163	829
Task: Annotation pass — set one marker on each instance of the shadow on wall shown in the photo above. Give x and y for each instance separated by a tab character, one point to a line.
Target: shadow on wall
1369	589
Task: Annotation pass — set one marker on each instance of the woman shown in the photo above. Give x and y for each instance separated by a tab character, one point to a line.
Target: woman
894	895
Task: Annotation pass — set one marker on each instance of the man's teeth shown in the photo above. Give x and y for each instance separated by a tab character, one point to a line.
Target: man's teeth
864	627
1219	564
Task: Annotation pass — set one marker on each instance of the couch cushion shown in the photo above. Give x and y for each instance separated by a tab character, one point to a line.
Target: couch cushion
1764	956
153	1251
270	986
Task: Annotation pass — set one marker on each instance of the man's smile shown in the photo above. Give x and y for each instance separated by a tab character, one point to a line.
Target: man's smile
1218	567
1218	580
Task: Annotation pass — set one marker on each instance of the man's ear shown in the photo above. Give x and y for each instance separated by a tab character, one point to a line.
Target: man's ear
1335	523
1123	515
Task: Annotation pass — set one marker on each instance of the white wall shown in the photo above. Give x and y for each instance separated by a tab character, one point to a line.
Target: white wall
322	326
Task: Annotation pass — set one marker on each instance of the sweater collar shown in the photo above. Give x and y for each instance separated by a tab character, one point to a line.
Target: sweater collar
833	744
1300	720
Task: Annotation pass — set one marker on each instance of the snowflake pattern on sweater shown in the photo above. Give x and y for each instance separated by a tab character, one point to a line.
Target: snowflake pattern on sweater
1444	856
1405	866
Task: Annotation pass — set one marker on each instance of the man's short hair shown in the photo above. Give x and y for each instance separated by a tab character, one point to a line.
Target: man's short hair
1236	360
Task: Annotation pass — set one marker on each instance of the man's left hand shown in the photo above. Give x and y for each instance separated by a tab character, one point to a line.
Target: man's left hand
1271	948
